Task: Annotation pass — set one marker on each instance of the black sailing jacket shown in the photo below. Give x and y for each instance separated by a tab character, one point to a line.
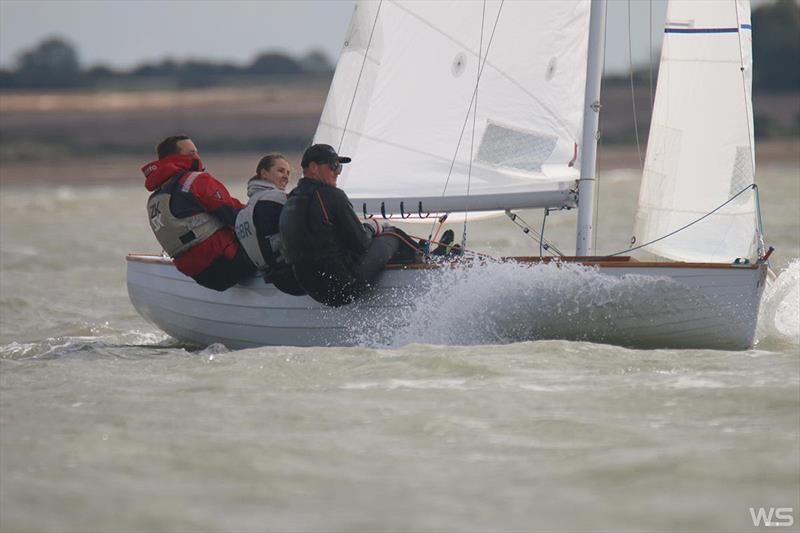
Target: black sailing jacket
318	224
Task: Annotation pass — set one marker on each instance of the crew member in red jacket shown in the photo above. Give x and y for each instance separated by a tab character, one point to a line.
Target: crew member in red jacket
192	215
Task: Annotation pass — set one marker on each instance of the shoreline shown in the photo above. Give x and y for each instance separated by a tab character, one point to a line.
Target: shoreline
239	166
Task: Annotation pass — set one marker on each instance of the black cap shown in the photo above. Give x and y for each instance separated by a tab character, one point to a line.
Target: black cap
322	153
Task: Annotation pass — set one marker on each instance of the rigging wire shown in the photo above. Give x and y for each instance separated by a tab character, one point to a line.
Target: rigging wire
528	230
747	108
633	92
600	144
650	59
472	142
692	223
360	73
481	66
762	246
473	252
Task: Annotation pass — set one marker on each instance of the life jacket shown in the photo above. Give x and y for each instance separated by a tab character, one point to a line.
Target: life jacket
247	232
176	235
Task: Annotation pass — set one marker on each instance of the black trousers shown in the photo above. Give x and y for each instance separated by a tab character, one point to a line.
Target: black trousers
284	280
224	273
337	281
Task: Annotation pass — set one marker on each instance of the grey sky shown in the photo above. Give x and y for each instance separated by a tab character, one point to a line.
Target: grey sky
124	33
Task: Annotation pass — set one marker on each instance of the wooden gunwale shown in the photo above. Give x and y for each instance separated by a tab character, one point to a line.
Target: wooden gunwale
605	262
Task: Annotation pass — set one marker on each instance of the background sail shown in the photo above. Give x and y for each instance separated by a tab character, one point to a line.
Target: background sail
401	99
700	149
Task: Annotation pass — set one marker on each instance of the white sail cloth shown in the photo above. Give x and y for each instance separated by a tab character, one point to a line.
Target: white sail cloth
403	101
700	150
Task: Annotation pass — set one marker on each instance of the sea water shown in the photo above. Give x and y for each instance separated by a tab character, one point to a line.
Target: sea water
107	424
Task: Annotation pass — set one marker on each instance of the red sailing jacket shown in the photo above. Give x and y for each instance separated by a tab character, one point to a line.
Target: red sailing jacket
212	196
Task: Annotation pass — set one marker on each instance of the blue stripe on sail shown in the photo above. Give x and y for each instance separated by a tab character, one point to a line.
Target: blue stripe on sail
703	30
747	27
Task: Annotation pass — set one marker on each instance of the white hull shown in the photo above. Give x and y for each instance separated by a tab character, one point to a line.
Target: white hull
669	305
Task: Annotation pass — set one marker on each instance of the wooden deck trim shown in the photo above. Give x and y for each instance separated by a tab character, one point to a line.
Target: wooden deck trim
148	258
626	262
605	262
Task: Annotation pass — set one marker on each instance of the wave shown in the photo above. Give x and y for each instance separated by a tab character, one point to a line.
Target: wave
779	317
495	302
127	344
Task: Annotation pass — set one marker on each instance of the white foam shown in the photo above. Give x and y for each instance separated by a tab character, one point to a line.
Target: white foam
414	384
542	388
780	309
495	302
689	382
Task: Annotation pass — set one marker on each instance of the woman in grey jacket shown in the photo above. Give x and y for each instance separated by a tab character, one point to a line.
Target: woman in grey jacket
257	224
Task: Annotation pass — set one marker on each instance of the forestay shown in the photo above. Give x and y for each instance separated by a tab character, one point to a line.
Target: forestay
403	103
700	150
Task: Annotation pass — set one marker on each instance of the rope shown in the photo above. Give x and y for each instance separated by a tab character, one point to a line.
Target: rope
732	198
762	246
474	95
479	254
633	92
403	240
441	225
472	142
360	72
650	57
744	90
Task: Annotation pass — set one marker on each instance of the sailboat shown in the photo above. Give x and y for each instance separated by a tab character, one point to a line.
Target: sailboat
491	107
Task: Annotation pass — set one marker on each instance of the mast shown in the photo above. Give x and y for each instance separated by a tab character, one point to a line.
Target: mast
591	119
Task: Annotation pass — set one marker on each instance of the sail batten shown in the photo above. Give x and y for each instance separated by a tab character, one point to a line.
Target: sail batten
402	101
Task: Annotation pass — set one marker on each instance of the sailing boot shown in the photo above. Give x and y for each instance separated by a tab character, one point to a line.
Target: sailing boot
445	243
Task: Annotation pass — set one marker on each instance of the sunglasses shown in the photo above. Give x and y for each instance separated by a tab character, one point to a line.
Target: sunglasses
335	166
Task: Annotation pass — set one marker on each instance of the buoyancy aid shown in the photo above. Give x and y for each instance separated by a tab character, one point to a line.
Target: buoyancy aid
246	231
176	235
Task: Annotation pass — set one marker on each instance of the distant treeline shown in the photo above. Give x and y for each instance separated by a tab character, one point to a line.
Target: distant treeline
54	64
776	49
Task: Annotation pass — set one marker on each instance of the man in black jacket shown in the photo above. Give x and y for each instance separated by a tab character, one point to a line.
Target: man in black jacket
333	255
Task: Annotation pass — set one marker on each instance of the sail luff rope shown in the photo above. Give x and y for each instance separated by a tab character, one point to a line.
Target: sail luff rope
469	109
633	92
360	72
692	223
472	142
761	244
744	90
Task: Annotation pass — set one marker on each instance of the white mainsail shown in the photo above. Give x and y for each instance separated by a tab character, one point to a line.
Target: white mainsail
700	150
403	103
